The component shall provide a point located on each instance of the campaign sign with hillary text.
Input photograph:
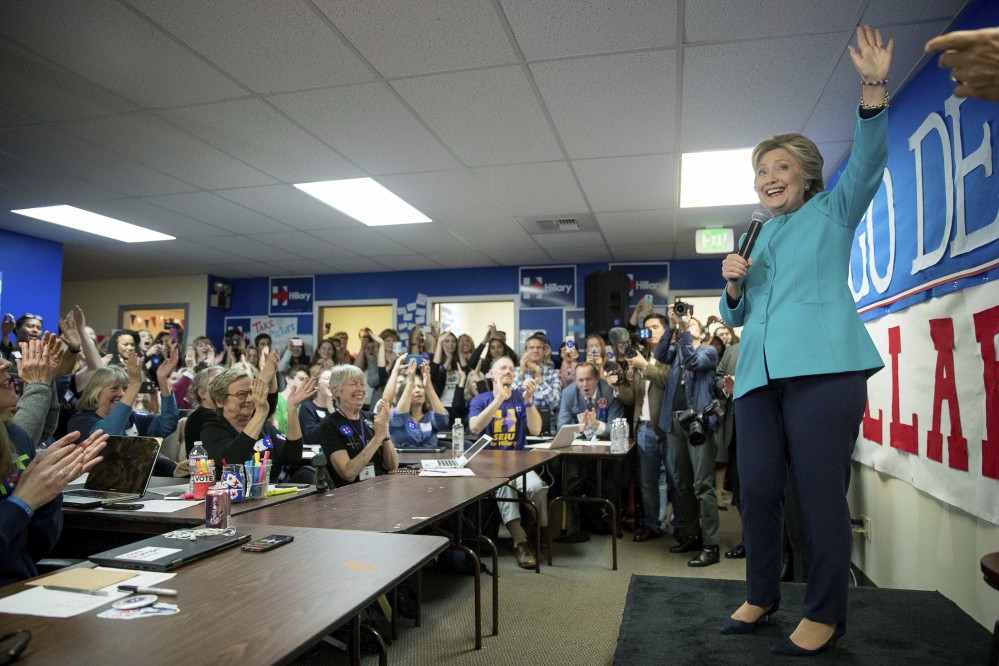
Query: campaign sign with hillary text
(646, 278)
(547, 286)
(292, 295)
(923, 275)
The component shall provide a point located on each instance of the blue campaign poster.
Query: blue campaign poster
(547, 286)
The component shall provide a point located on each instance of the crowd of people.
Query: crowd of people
(796, 411)
(357, 405)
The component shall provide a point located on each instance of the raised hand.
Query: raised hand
(259, 395)
(381, 417)
(871, 58)
(190, 358)
(7, 327)
(133, 364)
(163, 372)
(529, 385)
(973, 59)
(270, 367)
(40, 359)
(305, 390)
(70, 334)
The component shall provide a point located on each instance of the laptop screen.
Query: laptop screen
(480, 443)
(127, 464)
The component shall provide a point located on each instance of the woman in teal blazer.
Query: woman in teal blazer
(800, 405)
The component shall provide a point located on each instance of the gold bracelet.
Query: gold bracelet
(871, 107)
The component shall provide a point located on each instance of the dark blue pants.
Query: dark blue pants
(810, 423)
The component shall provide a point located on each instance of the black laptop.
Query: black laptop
(122, 475)
(160, 553)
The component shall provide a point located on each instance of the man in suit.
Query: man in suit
(589, 401)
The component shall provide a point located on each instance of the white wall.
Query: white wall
(100, 299)
(918, 542)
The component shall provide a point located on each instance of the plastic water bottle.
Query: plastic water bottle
(457, 439)
(619, 436)
(197, 453)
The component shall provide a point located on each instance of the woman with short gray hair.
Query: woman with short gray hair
(242, 426)
(356, 443)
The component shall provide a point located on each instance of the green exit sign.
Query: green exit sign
(715, 241)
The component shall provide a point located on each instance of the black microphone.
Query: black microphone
(759, 217)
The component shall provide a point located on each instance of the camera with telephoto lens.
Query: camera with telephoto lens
(682, 309)
(695, 424)
(637, 343)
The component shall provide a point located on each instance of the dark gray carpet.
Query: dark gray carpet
(677, 621)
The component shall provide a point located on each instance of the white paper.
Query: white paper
(55, 603)
(421, 299)
(461, 471)
(401, 310)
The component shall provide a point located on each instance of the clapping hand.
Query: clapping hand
(381, 417)
(529, 385)
(729, 381)
(47, 475)
(40, 359)
(166, 368)
(304, 391)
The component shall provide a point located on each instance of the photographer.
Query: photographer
(644, 389)
(688, 419)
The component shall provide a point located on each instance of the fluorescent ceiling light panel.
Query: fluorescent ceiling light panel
(717, 178)
(92, 223)
(364, 200)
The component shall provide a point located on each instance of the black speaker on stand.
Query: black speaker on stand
(606, 301)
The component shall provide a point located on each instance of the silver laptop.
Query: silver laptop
(122, 475)
(565, 437)
(458, 463)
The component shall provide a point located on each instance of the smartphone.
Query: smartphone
(570, 342)
(267, 543)
(147, 387)
(173, 335)
(644, 333)
(648, 299)
(296, 342)
(415, 357)
(398, 348)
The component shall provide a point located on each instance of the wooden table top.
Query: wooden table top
(492, 463)
(238, 607)
(388, 503)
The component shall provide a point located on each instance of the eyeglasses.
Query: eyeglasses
(242, 395)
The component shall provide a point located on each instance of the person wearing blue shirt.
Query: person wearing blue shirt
(801, 405)
(419, 415)
(31, 487)
(106, 404)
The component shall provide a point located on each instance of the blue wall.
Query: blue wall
(250, 296)
(31, 270)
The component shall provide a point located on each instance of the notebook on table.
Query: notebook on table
(458, 463)
(122, 475)
(160, 553)
(566, 435)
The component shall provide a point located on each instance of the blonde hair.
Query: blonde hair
(805, 153)
(101, 379)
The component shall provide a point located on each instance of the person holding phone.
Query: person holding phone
(420, 414)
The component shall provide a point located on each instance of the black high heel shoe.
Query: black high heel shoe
(733, 626)
(790, 649)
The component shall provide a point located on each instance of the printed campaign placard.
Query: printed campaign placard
(291, 295)
(547, 286)
(646, 278)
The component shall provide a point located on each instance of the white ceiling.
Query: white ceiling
(193, 117)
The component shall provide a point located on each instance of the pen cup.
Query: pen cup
(203, 479)
(234, 479)
(256, 483)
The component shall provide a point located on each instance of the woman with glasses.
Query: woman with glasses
(242, 425)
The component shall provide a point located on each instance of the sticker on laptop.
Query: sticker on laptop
(148, 554)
